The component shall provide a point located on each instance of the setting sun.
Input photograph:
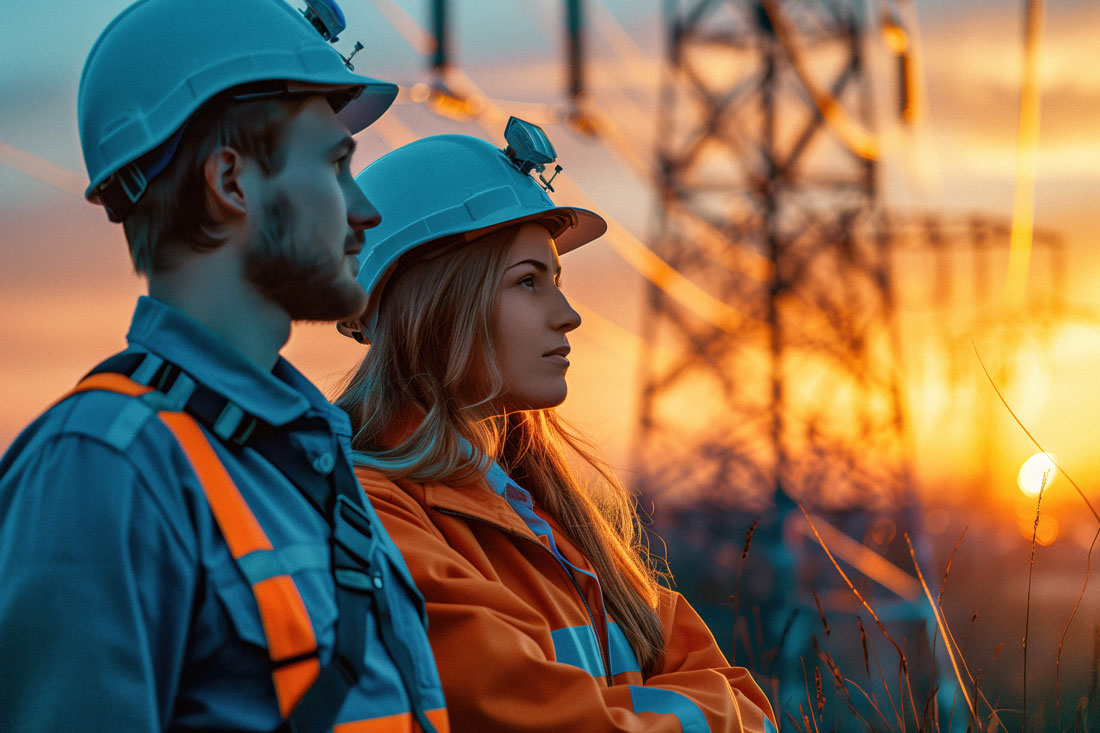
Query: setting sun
(1036, 474)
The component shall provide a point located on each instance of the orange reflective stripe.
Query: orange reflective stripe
(292, 681)
(400, 723)
(238, 524)
(439, 719)
(286, 622)
(108, 381)
(112, 382)
(287, 627)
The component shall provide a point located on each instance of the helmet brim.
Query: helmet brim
(590, 226)
(368, 105)
(586, 227)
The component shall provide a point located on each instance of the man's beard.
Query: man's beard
(284, 266)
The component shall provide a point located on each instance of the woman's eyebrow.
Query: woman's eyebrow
(537, 264)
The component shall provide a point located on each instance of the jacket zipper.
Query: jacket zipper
(604, 654)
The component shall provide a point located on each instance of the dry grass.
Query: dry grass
(890, 699)
(899, 705)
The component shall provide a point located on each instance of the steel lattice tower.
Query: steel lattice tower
(767, 179)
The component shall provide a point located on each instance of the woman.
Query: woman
(543, 614)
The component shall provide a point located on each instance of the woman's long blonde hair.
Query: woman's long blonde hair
(432, 356)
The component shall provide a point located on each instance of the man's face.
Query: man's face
(302, 253)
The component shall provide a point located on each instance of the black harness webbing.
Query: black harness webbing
(340, 502)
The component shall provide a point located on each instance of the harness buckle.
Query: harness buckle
(353, 547)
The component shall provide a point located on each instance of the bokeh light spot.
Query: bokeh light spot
(936, 521)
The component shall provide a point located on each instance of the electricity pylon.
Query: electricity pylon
(767, 180)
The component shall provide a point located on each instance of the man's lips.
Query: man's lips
(353, 245)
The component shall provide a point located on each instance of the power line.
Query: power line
(634, 252)
(41, 169)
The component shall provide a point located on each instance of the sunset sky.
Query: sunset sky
(67, 291)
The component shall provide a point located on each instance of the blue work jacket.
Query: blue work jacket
(120, 605)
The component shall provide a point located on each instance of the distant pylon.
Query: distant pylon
(767, 179)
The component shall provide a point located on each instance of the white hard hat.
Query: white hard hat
(158, 61)
(459, 186)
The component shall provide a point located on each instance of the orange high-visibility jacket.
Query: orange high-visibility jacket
(523, 645)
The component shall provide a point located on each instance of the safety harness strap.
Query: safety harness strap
(310, 696)
(292, 646)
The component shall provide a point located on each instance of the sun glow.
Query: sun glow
(1036, 474)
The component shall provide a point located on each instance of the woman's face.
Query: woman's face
(531, 318)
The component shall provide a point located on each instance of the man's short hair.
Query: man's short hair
(173, 212)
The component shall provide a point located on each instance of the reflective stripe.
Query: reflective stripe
(110, 382)
(287, 627)
(577, 645)
(288, 630)
(127, 424)
(239, 525)
(622, 654)
(292, 681)
(262, 564)
(400, 723)
(659, 700)
(130, 419)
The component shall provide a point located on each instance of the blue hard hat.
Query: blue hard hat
(455, 185)
(158, 61)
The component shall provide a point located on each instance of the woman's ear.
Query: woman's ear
(223, 173)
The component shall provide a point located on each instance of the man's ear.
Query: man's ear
(223, 172)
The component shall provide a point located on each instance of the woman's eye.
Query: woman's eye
(528, 282)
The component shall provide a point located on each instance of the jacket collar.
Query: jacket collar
(480, 500)
(277, 397)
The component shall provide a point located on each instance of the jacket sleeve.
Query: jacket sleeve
(96, 592)
(690, 662)
(492, 650)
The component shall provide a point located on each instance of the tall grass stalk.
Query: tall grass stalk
(941, 624)
(1031, 437)
(1030, 572)
(1062, 638)
(902, 661)
(737, 592)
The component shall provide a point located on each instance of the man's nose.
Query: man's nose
(361, 212)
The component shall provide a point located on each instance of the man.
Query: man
(183, 544)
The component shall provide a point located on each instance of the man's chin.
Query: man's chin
(354, 313)
(334, 313)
